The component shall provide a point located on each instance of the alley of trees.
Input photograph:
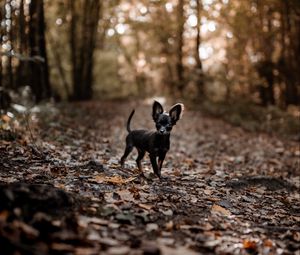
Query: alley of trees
(197, 49)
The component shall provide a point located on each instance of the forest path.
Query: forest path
(225, 190)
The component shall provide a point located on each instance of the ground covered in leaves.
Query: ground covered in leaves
(224, 191)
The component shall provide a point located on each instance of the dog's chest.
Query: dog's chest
(161, 143)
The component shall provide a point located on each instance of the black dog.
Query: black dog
(156, 143)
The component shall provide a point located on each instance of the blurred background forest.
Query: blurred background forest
(218, 50)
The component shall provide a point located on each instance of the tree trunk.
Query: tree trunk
(9, 71)
(37, 48)
(199, 68)
(83, 47)
(291, 64)
(266, 66)
(33, 51)
(21, 77)
(92, 23)
(73, 47)
(43, 50)
(2, 14)
(179, 52)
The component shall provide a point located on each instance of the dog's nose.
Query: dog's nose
(162, 130)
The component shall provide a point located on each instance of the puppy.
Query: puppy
(156, 143)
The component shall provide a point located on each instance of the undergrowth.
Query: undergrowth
(251, 117)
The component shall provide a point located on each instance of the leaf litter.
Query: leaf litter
(224, 190)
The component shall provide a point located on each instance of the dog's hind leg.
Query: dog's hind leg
(128, 149)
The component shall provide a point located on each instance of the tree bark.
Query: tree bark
(266, 66)
(43, 50)
(199, 68)
(2, 14)
(291, 62)
(37, 47)
(82, 48)
(179, 52)
(9, 69)
(21, 77)
(73, 47)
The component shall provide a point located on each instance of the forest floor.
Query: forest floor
(224, 191)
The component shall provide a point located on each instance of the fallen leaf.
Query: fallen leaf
(151, 227)
(219, 209)
(62, 247)
(167, 212)
(27, 229)
(169, 225)
(176, 251)
(268, 243)
(83, 221)
(85, 251)
(112, 179)
(125, 195)
(249, 245)
(146, 206)
(122, 250)
(3, 215)
(109, 241)
(135, 192)
(177, 173)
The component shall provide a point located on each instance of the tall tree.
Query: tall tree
(82, 43)
(179, 51)
(1, 41)
(9, 42)
(21, 77)
(288, 63)
(198, 67)
(37, 48)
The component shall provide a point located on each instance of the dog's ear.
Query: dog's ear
(157, 109)
(176, 112)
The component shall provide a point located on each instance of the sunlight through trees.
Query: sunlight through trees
(215, 49)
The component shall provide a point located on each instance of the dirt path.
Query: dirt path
(225, 191)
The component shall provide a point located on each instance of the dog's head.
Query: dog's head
(164, 121)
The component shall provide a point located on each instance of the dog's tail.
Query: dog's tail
(128, 121)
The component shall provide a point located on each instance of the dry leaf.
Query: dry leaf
(268, 243)
(177, 173)
(85, 251)
(83, 221)
(219, 209)
(112, 179)
(27, 229)
(125, 195)
(121, 250)
(62, 247)
(249, 245)
(169, 225)
(3, 215)
(145, 206)
(151, 227)
(135, 192)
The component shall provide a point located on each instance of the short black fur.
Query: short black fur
(156, 143)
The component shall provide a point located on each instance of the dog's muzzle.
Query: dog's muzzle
(162, 130)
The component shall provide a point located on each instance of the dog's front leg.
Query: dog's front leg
(161, 158)
(141, 154)
(154, 165)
